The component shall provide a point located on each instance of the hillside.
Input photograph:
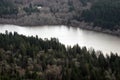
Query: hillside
(51, 12)
(31, 58)
(98, 15)
(104, 13)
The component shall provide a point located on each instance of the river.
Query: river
(70, 36)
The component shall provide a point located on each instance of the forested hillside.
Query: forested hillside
(7, 7)
(105, 14)
(66, 12)
(99, 15)
(31, 58)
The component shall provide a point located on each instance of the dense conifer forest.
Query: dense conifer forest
(7, 7)
(104, 13)
(32, 58)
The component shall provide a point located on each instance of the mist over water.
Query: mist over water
(70, 36)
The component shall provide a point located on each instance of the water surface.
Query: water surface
(70, 36)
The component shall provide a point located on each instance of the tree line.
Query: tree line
(33, 58)
(7, 8)
(104, 13)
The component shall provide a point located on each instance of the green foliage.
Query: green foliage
(25, 58)
(84, 2)
(104, 13)
(7, 8)
(30, 9)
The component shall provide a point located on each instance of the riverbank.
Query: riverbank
(99, 29)
(73, 23)
(69, 36)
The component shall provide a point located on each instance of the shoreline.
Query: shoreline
(81, 25)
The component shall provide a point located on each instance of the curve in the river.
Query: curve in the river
(70, 36)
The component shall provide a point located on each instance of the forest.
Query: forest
(32, 58)
(104, 13)
(7, 8)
